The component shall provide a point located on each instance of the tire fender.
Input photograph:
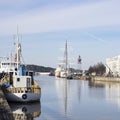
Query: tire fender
(24, 96)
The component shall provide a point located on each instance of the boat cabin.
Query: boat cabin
(17, 78)
(22, 81)
(23, 78)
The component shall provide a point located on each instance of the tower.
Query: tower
(79, 63)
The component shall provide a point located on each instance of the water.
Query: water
(76, 100)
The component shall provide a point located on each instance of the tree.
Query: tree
(99, 69)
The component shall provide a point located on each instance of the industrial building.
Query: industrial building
(113, 66)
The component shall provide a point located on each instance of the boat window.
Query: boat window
(18, 79)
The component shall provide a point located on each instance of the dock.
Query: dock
(98, 78)
(106, 79)
(5, 111)
(78, 77)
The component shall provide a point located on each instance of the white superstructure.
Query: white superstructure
(113, 66)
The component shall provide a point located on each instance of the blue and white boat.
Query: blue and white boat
(17, 82)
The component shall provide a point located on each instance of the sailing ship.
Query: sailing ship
(17, 82)
(63, 71)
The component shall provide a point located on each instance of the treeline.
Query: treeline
(37, 68)
(98, 69)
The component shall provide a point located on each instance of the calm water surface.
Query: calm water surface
(78, 100)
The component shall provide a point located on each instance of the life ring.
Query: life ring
(24, 96)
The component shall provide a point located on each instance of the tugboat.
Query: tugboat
(17, 82)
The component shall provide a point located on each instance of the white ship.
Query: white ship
(17, 82)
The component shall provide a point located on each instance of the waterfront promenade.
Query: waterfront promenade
(5, 111)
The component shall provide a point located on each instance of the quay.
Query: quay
(98, 78)
(106, 79)
(78, 77)
(5, 111)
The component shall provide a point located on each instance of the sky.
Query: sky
(91, 27)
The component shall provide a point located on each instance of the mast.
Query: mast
(11, 59)
(17, 48)
(66, 56)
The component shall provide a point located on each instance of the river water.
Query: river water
(76, 100)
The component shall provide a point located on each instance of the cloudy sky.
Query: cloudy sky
(91, 27)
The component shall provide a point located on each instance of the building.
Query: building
(113, 66)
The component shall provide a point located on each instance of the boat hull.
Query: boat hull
(23, 97)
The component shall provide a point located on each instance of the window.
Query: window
(18, 79)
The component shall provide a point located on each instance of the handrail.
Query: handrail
(22, 90)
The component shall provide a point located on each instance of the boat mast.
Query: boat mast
(17, 48)
(66, 56)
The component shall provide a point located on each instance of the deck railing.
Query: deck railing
(22, 90)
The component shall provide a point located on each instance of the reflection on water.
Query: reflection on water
(63, 92)
(25, 111)
(111, 90)
(78, 99)
(66, 89)
(96, 90)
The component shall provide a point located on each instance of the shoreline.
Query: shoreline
(98, 78)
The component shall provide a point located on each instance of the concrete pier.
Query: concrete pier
(5, 111)
(106, 79)
(78, 77)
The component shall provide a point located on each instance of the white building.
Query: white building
(113, 66)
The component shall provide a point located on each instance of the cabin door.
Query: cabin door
(28, 82)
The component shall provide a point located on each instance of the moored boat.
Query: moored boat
(58, 72)
(17, 82)
(63, 71)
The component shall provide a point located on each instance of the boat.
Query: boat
(58, 71)
(17, 81)
(63, 71)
